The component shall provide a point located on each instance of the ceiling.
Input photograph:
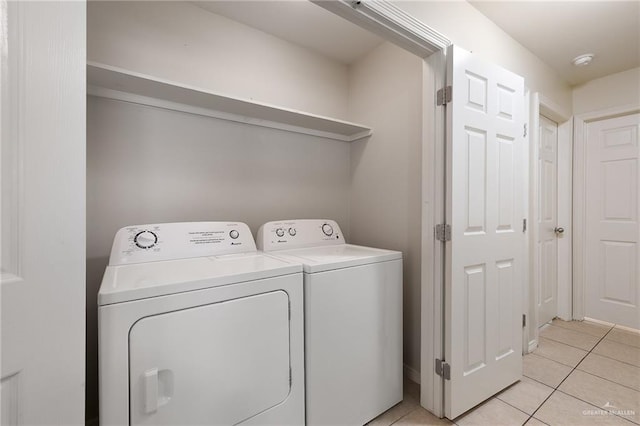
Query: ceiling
(555, 31)
(558, 31)
(300, 22)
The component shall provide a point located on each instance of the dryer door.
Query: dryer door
(215, 364)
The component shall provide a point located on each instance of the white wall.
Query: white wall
(466, 27)
(614, 90)
(180, 41)
(385, 90)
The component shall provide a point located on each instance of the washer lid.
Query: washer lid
(123, 283)
(327, 258)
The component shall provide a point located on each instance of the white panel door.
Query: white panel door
(484, 272)
(547, 240)
(43, 93)
(217, 364)
(612, 283)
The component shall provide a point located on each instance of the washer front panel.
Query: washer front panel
(216, 364)
(353, 343)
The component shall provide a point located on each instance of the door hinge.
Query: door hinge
(525, 130)
(443, 232)
(524, 225)
(524, 320)
(443, 369)
(443, 96)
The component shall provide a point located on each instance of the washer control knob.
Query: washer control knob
(280, 232)
(327, 229)
(292, 232)
(234, 234)
(145, 239)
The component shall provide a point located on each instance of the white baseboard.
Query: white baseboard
(412, 374)
(533, 344)
(608, 324)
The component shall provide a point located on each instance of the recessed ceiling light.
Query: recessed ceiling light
(583, 60)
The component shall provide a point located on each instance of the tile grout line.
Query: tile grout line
(594, 406)
(513, 406)
(608, 380)
(619, 360)
(575, 347)
(558, 362)
(591, 351)
(571, 372)
(402, 417)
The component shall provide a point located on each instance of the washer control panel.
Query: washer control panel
(168, 241)
(289, 234)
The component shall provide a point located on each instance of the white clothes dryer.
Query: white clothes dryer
(353, 320)
(197, 327)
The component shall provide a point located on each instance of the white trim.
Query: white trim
(411, 374)
(564, 211)
(541, 105)
(13, 131)
(533, 345)
(391, 23)
(432, 254)
(526, 172)
(579, 195)
(527, 236)
(552, 110)
(609, 324)
(531, 331)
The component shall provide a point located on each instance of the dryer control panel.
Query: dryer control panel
(169, 241)
(300, 233)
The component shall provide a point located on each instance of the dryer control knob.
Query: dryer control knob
(280, 232)
(234, 234)
(145, 239)
(327, 229)
(292, 232)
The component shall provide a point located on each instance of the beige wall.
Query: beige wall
(466, 27)
(182, 42)
(385, 90)
(614, 90)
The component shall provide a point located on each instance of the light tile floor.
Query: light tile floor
(582, 373)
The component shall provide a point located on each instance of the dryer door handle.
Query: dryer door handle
(151, 391)
(158, 389)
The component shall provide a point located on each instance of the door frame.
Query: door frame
(581, 122)
(432, 251)
(541, 105)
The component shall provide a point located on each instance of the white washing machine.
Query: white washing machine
(353, 320)
(196, 327)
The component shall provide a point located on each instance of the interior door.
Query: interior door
(612, 255)
(484, 272)
(42, 123)
(547, 212)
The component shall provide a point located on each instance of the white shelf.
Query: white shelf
(116, 83)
